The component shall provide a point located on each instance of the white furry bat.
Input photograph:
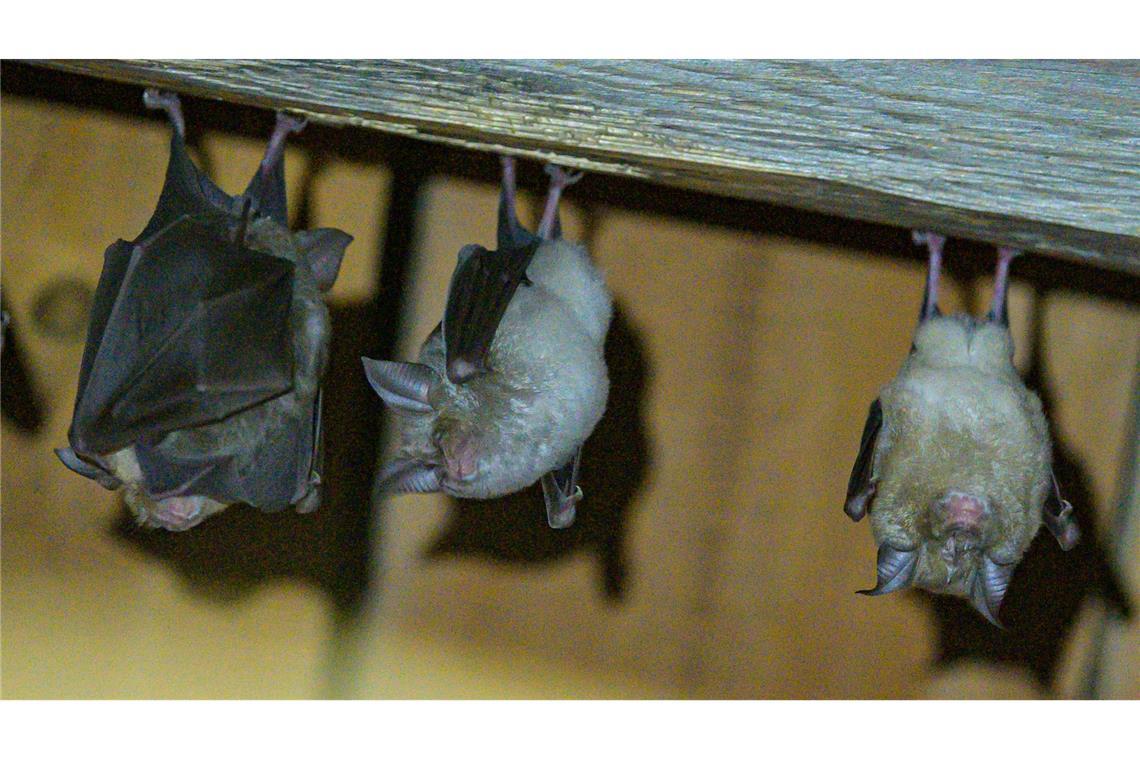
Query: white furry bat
(955, 464)
(513, 380)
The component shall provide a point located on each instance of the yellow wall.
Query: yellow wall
(763, 354)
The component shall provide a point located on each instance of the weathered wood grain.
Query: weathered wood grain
(1044, 155)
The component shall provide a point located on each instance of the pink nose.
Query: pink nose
(963, 512)
(461, 464)
(178, 512)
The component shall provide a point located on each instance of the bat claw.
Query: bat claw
(562, 515)
(159, 100)
(561, 177)
(290, 124)
(929, 239)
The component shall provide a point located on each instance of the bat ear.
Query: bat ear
(402, 385)
(75, 464)
(895, 570)
(408, 476)
(324, 250)
(990, 585)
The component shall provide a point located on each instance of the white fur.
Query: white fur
(547, 386)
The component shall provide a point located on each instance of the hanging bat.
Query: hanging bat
(200, 380)
(955, 463)
(513, 380)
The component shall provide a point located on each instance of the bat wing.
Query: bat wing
(308, 497)
(186, 192)
(266, 461)
(266, 192)
(481, 289)
(861, 485)
(187, 328)
(562, 493)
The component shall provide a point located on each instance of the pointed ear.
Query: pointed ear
(895, 570)
(408, 476)
(402, 385)
(990, 585)
(75, 464)
(324, 250)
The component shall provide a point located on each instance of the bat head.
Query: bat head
(459, 439)
(956, 547)
(121, 469)
(175, 513)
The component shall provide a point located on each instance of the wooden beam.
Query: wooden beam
(1044, 155)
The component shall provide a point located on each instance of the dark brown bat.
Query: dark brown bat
(955, 463)
(513, 380)
(200, 381)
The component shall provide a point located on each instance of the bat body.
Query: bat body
(513, 381)
(200, 381)
(955, 462)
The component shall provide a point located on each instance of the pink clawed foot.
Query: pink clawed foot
(999, 309)
(934, 243)
(560, 179)
(509, 182)
(156, 99)
(286, 125)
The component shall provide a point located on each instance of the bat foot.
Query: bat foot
(561, 178)
(562, 514)
(934, 244)
(169, 102)
(1063, 526)
(999, 310)
(550, 227)
(309, 502)
(932, 240)
(288, 124)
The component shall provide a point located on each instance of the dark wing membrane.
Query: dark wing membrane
(262, 457)
(199, 330)
(481, 289)
(308, 497)
(116, 259)
(860, 486)
(266, 191)
(185, 192)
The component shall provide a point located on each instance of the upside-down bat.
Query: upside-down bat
(200, 381)
(513, 380)
(955, 463)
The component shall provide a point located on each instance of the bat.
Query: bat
(955, 460)
(513, 380)
(200, 380)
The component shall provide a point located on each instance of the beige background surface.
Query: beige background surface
(764, 353)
